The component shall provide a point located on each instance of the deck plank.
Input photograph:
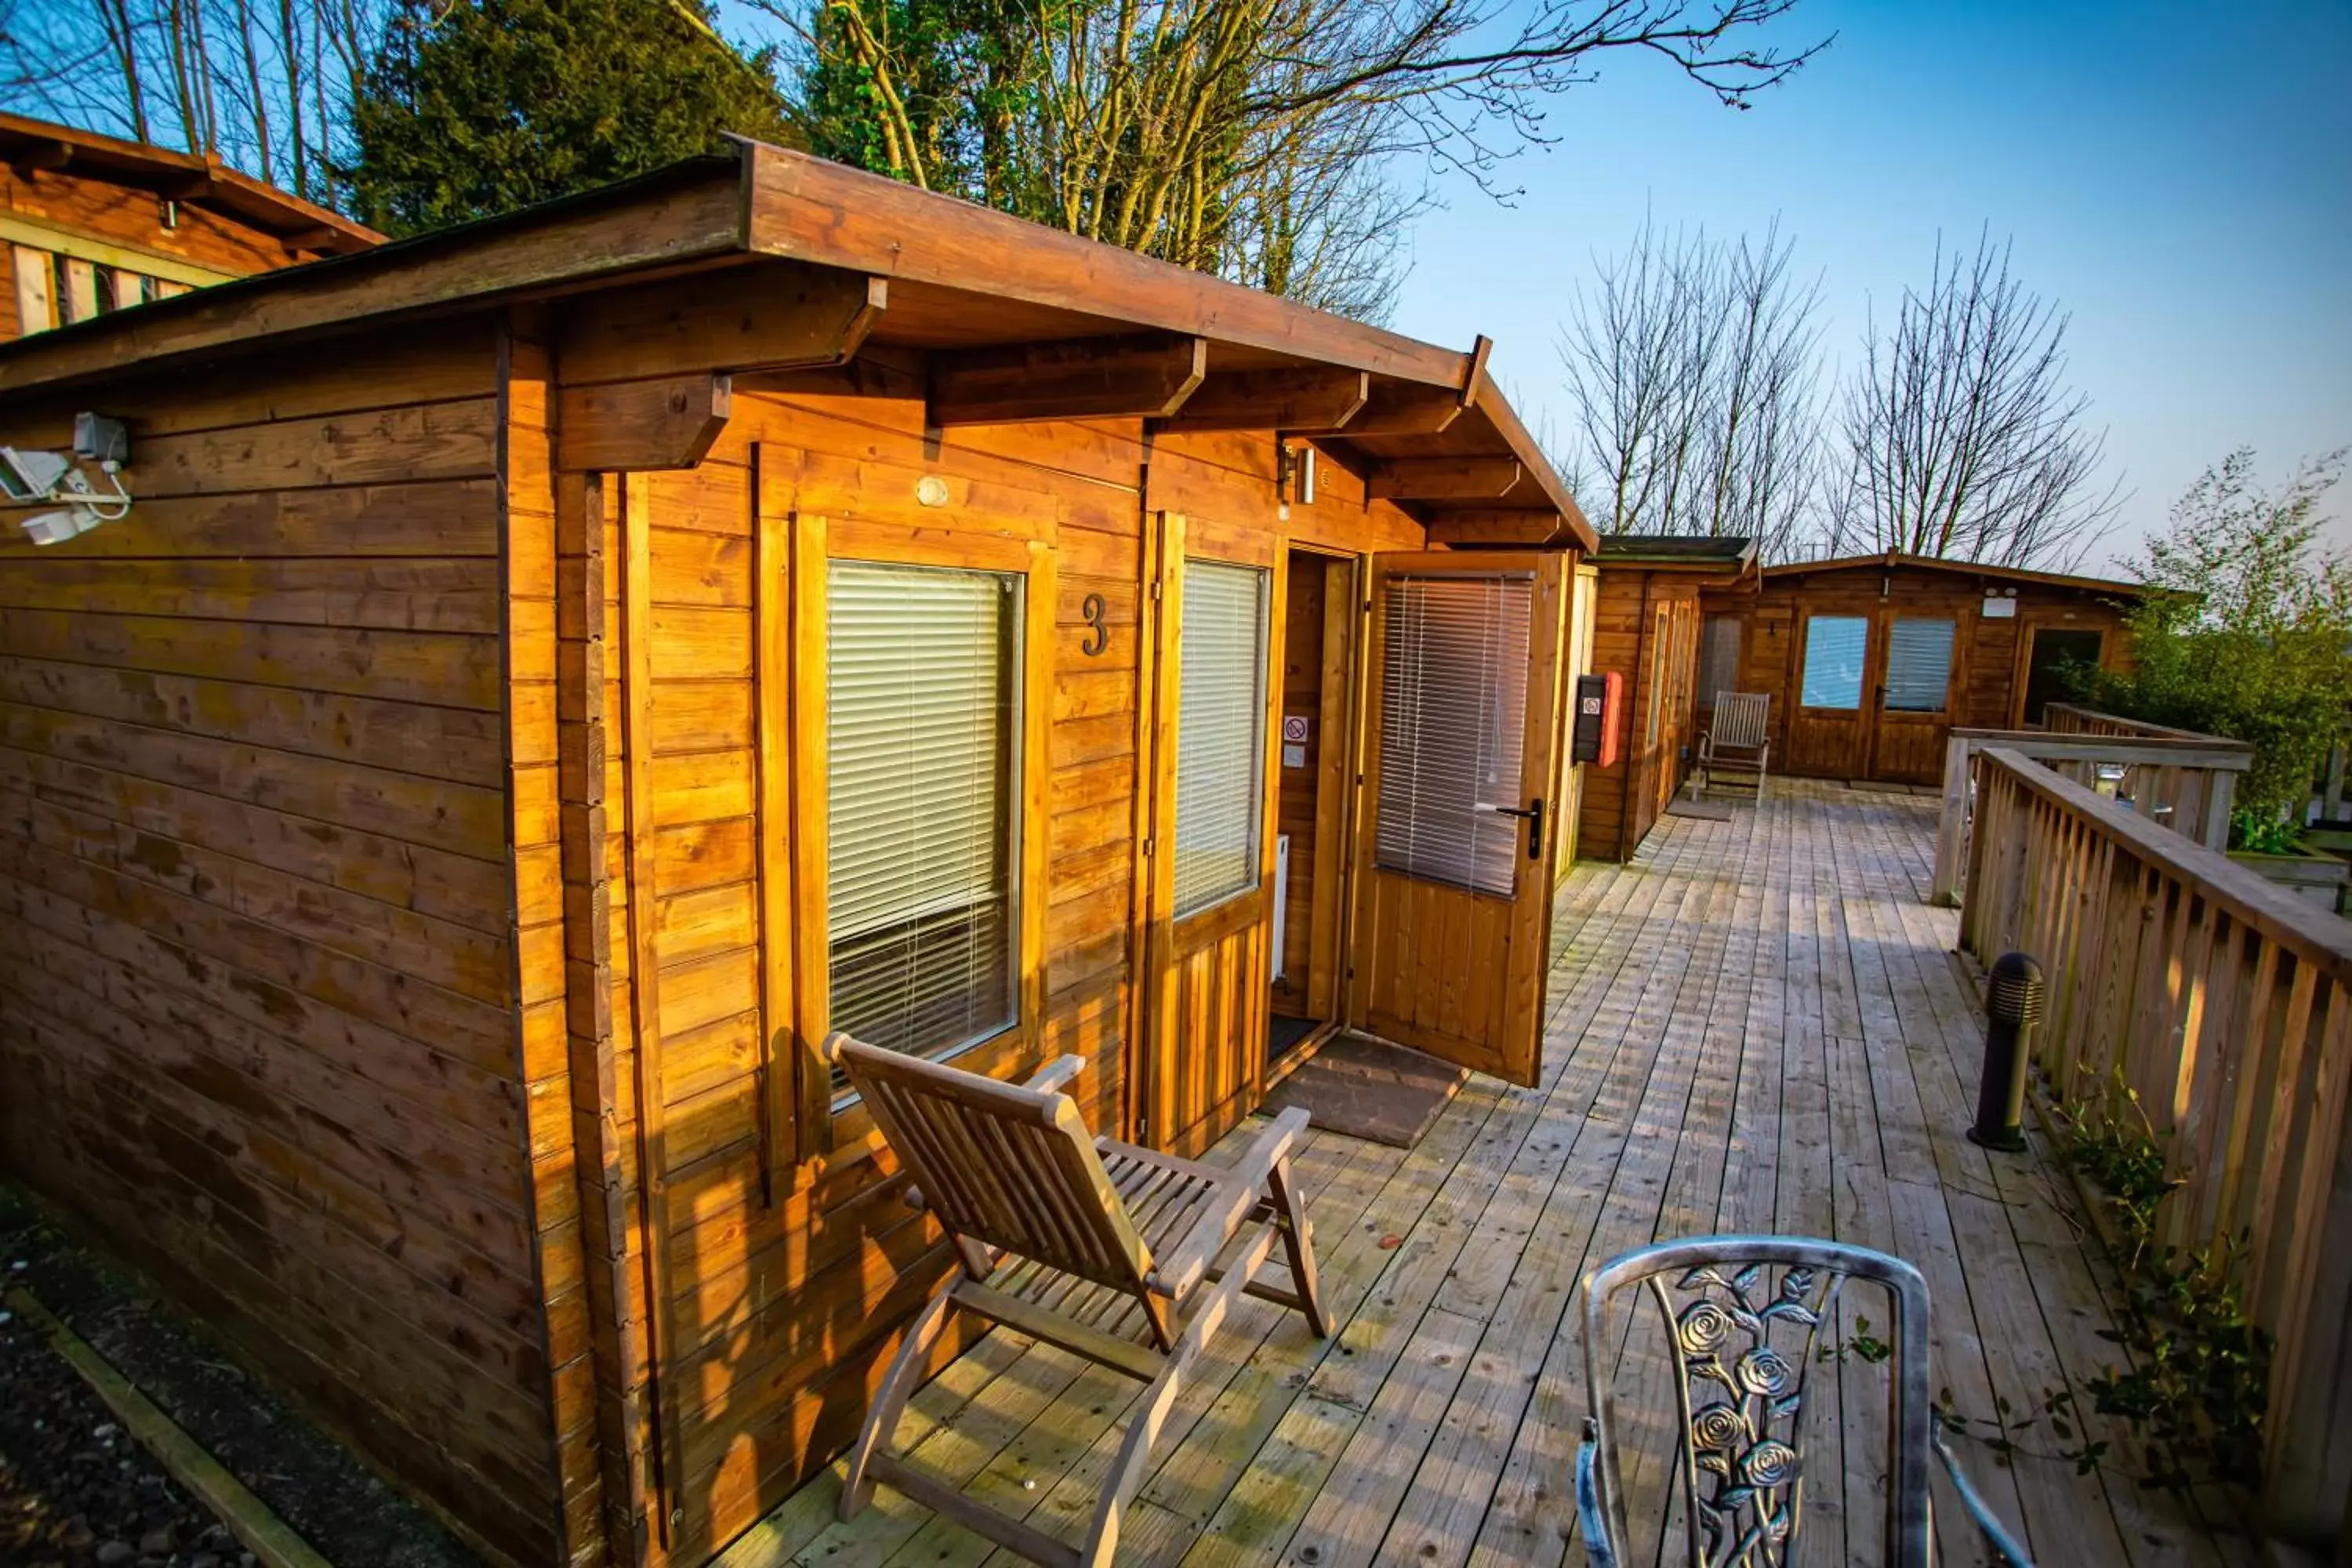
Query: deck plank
(1755, 1024)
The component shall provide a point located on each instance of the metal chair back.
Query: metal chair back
(1745, 1317)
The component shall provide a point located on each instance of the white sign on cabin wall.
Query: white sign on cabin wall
(1997, 609)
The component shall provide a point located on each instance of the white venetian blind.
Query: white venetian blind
(1453, 690)
(1918, 666)
(1834, 646)
(920, 718)
(1220, 732)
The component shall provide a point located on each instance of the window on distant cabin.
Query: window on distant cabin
(1220, 732)
(922, 709)
(1918, 667)
(1453, 695)
(1835, 646)
(1718, 657)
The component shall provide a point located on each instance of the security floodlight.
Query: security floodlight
(57, 527)
(32, 476)
(101, 440)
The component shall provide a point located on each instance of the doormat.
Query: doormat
(1705, 810)
(1369, 1089)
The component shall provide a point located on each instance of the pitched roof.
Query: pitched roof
(1698, 551)
(1447, 446)
(1981, 569)
(194, 181)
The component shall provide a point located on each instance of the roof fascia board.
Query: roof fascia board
(1487, 398)
(811, 210)
(479, 265)
(1897, 561)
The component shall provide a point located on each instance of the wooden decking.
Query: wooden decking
(1755, 1026)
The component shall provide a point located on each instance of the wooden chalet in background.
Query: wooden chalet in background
(1871, 660)
(1645, 628)
(438, 823)
(91, 223)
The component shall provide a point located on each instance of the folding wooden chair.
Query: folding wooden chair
(1109, 1251)
(1735, 741)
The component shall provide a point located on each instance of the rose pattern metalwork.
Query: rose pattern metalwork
(1704, 1326)
(1761, 1370)
(1742, 1400)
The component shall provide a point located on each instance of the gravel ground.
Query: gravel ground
(74, 1486)
(74, 1491)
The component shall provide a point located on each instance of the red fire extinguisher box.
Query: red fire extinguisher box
(1600, 718)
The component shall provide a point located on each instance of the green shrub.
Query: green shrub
(2250, 633)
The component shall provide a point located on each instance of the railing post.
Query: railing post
(2220, 804)
(1951, 829)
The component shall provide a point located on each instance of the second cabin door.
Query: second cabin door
(1453, 896)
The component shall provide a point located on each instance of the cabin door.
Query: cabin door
(1215, 603)
(1830, 730)
(1919, 680)
(1453, 893)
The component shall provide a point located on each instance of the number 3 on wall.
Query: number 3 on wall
(1098, 635)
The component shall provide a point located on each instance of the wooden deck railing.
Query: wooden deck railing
(2187, 782)
(2073, 718)
(2227, 1005)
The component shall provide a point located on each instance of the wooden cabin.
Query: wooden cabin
(1872, 660)
(91, 223)
(1646, 630)
(555, 671)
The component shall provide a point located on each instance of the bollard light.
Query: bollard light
(2012, 1008)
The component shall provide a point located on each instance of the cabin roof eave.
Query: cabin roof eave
(756, 202)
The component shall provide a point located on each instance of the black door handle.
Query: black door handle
(1533, 817)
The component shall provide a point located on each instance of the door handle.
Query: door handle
(1533, 816)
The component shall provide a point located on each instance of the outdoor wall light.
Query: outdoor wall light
(39, 476)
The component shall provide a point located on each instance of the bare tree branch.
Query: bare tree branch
(1962, 438)
(1693, 368)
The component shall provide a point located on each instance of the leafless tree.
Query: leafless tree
(1251, 136)
(1693, 370)
(263, 86)
(1962, 438)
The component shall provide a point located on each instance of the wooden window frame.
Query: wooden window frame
(1269, 723)
(1861, 706)
(1953, 675)
(824, 1124)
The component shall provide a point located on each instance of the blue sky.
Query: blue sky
(2177, 176)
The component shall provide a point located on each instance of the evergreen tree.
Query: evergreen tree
(489, 105)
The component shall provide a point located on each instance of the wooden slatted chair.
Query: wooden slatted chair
(1735, 741)
(1129, 1258)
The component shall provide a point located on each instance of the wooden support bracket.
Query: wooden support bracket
(1446, 478)
(1299, 399)
(1148, 376)
(771, 316)
(636, 426)
(29, 162)
(1399, 408)
(1527, 529)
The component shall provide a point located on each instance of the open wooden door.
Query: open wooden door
(1452, 889)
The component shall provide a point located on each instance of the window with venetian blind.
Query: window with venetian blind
(921, 716)
(1454, 674)
(1918, 666)
(1835, 648)
(1718, 657)
(1220, 733)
